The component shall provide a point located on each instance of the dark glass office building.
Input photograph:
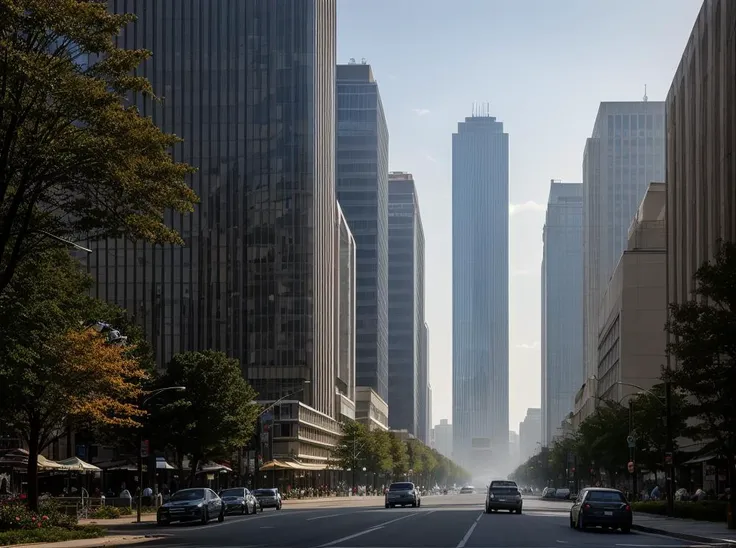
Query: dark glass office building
(406, 387)
(250, 87)
(362, 190)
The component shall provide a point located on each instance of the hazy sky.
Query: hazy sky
(544, 66)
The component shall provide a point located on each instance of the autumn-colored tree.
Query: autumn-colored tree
(52, 371)
(77, 160)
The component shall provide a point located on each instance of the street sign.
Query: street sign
(631, 441)
(630, 467)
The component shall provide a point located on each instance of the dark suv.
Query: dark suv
(503, 495)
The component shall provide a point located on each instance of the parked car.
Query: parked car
(601, 507)
(268, 498)
(467, 490)
(239, 500)
(549, 493)
(191, 504)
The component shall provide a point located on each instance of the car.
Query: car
(549, 493)
(268, 498)
(467, 490)
(563, 494)
(198, 503)
(601, 507)
(402, 494)
(503, 495)
(239, 500)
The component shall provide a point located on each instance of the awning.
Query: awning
(18, 458)
(162, 464)
(291, 465)
(702, 458)
(213, 468)
(45, 464)
(78, 465)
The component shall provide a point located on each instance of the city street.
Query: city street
(444, 521)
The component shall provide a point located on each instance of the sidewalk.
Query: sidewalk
(117, 540)
(684, 529)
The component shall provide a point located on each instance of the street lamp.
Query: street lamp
(140, 446)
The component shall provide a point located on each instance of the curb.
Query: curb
(682, 536)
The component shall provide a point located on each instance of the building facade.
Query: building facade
(480, 292)
(405, 303)
(345, 313)
(370, 409)
(632, 339)
(562, 304)
(530, 434)
(256, 277)
(443, 438)
(362, 190)
(701, 137)
(425, 403)
(623, 155)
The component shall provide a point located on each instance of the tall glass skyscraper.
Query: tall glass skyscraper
(562, 305)
(480, 293)
(362, 190)
(250, 87)
(406, 304)
(625, 153)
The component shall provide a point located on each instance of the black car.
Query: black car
(601, 507)
(191, 504)
(402, 493)
(503, 495)
(238, 500)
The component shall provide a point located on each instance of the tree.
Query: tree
(353, 449)
(213, 416)
(379, 459)
(704, 344)
(399, 457)
(52, 370)
(602, 439)
(77, 161)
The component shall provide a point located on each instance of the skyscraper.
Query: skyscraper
(405, 303)
(530, 433)
(425, 411)
(362, 190)
(623, 155)
(480, 292)
(250, 87)
(562, 305)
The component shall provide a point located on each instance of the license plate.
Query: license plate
(608, 513)
(501, 500)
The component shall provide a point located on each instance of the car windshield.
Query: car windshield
(605, 496)
(232, 493)
(495, 484)
(265, 492)
(401, 487)
(188, 494)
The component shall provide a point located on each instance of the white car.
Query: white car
(467, 490)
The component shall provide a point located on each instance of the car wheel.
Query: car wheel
(419, 503)
(244, 511)
(388, 505)
(162, 522)
(278, 507)
(205, 517)
(572, 523)
(518, 511)
(581, 524)
(626, 529)
(487, 510)
(221, 517)
(413, 504)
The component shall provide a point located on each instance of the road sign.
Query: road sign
(630, 467)
(631, 441)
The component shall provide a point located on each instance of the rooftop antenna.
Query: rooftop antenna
(645, 94)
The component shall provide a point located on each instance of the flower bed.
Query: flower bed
(50, 534)
(15, 516)
(707, 510)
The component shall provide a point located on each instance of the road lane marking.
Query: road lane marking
(370, 530)
(466, 538)
(325, 517)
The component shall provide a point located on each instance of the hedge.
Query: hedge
(50, 534)
(707, 510)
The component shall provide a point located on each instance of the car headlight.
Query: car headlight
(200, 505)
(491, 496)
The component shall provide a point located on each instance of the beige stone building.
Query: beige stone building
(632, 314)
(370, 409)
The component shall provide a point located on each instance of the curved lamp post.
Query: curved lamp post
(151, 395)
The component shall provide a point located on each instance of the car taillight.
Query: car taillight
(628, 508)
(587, 507)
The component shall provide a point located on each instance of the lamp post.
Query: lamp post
(140, 447)
(259, 442)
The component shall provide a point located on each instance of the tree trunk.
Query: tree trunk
(193, 465)
(33, 468)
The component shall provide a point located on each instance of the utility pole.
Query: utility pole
(669, 457)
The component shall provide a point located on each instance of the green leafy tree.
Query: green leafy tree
(560, 455)
(45, 359)
(399, 457)
(704, 344)
(378, 458)
(77, 160)
(353, 450)
(602, 439)
(213, 416)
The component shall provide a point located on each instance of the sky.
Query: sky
(544, 66)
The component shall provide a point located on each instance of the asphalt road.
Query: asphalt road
(443, 521)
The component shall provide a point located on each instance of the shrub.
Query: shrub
(50, 534)
(707, 510)
(15, 516)
(106, 512)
